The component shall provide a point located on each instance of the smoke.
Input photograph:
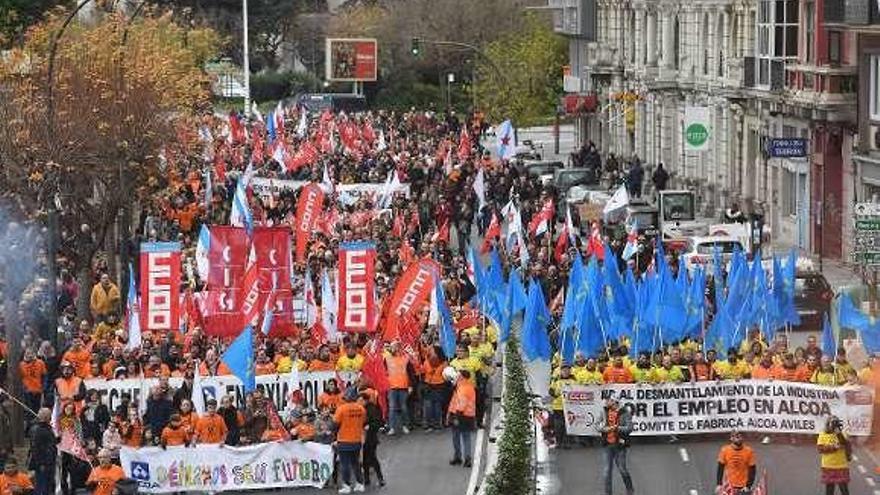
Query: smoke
(24, 277)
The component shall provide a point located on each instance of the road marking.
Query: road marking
(693, 492)
(685, 458)
(476, 470)
(870, 481)
(861, 469)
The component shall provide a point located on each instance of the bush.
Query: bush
(274, 86)
(512, 474)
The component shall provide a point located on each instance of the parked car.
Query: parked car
(566, 178)
(701, 251)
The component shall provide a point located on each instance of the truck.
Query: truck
(678, 217)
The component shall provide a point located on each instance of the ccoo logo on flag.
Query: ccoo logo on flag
(140, 471)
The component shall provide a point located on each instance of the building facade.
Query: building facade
(761, 70)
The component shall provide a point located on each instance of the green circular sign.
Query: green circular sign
(696, 134)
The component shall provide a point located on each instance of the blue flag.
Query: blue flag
(535, 342)
(829, 342)
(848, 316)
(515, 301)
(239, 357)
(447, 331)
(695, 301)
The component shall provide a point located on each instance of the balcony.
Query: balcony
(575, 18)
(851, 12)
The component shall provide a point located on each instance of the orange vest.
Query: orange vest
(464, 399)
(434, 374)
(68, 388)
(397, 376)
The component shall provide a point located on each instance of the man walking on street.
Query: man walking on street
(615, 426)
(44, 453)
(736, 464)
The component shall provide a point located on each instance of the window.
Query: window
(705, 41)
(777, 25)
(874, 88)
(676, 40)
(810, 33)
(719, 33)
(789, 194)
(834, 47)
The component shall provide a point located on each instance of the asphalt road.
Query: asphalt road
(688, 468)
(414, 464)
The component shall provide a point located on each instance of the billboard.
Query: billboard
(351, 59)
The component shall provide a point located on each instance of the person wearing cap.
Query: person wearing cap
(558, 418)
(174, 434)
(69, 387)
(350, 418)
(105, 475)
(462, 416)
(301, 426)
(13, 481)
(615, 426)
(210, 427)
(736, 464)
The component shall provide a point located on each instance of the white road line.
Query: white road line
(685, 458)
(473, 482)
(876, 492)
(870, 481)
(693, 492)
(861, 469)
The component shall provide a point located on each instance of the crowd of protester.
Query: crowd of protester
(440, 218)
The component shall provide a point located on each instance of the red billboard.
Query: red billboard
(351, 59)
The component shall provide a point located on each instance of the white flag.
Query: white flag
(198, 399)
(480, 188)
(328, 308)
(617, 204)
(303, 125)
(506, 142)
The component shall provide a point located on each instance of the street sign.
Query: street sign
(787, 148)
(866, 246)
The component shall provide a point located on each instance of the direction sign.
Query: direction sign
(866, 246)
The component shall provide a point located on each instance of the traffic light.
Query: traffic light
(415, 47)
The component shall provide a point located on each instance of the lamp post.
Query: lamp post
(246, 64)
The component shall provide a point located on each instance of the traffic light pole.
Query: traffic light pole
(418, 41)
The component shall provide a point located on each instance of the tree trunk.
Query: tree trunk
(84, 279)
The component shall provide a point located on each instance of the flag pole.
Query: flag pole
(20, 403)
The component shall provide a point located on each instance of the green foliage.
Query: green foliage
(512, 474)
(403, 94)
(273, 86)
(18, 15)
(528, 81)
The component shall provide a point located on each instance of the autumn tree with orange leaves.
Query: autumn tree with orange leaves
(119, 90)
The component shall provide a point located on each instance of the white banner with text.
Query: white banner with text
(215, 468)
(276, 388)
(710, 407)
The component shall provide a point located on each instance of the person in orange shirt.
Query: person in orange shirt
(13, 481)
(212, 365)
(69, 387)
(350, 418)
(155, 368)
(188, 417)
(764, 369)
(461, 415)
(398, 367)
(263, 366)
(301, 426)
(174, 434)
(806, 370)
(736, 463)
(79, 357)
(434, 391)
(331, 397)
(323, 361)
(787, 370)
(617, 372)
(33, 372)
(210, 427)
(104, 477)
(132, 429)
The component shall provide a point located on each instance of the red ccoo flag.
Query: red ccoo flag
(541, 220)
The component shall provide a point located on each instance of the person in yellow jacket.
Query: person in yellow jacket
(732, 368)
(825, 374)
(641, 371)
(464, 361)
(104, 299)
(461, 415)
(589, 374)
(558, 417)
(351, 360)
(482, 351)
(666, 372)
